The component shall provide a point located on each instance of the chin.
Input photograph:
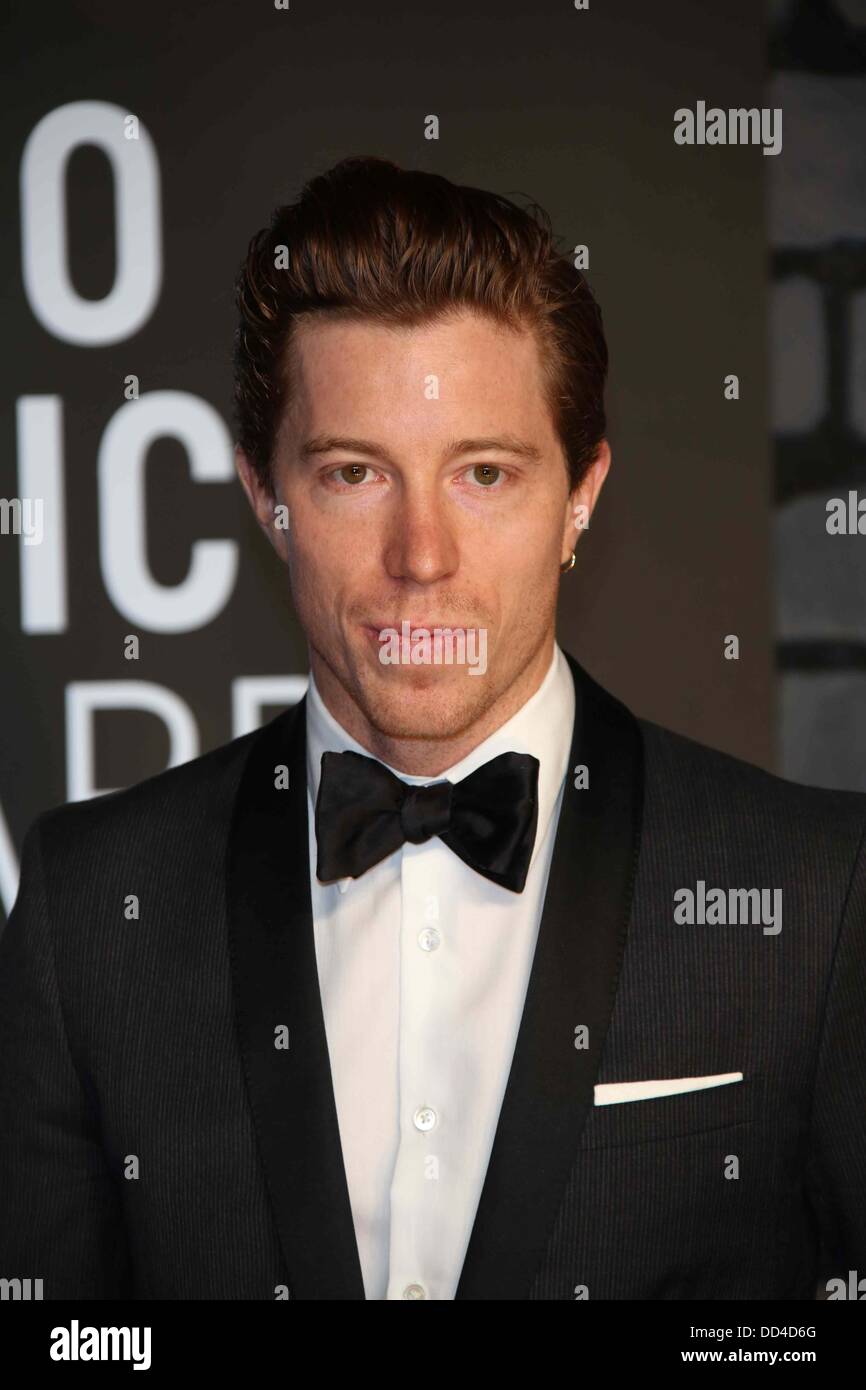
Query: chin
(423, 706)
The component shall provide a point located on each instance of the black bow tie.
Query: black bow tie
(364, 813)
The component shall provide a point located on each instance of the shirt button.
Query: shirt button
(429, 939)
(414, 1291)
(424, 1117)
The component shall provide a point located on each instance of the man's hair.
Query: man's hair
(368, 240)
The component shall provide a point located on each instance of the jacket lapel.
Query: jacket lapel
(276, 984)
(573, 981)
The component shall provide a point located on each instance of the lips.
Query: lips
(415, 625)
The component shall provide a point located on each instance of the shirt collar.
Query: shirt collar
(542, 726)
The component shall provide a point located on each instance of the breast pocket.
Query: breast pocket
(668, 1117)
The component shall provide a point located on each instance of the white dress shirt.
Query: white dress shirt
(423, 965)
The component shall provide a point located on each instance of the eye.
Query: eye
(483, 474)
(352, 472)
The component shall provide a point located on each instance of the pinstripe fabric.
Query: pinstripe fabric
(119, 1040)
(648, 1212)
(139, 1050)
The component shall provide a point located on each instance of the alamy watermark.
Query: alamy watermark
(20, 1290)
(846, 517)
(76, 1343)
(22, 516)
(738, 125)
(729, 906)
(437, 646)
(854, 1288)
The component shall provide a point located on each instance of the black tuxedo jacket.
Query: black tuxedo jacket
(154, 1143)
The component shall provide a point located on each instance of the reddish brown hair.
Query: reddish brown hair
(398, 246)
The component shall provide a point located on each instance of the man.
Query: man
(456, 980)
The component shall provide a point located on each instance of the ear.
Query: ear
(581, 502)
(270, 513)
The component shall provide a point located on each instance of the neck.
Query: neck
(420, 757)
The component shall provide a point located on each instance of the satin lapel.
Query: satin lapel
(572, 982)
(276, 984)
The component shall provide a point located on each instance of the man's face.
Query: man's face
(424, 482)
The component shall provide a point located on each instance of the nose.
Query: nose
(421, 544)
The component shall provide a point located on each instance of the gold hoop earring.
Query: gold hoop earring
(567, 564)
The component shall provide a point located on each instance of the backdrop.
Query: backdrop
(145, 145)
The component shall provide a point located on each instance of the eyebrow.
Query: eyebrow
(504, 443)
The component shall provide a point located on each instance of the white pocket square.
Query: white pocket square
(616, 1091)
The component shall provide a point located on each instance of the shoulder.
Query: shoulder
(185, 809)
(708, 786)
(697, 793)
